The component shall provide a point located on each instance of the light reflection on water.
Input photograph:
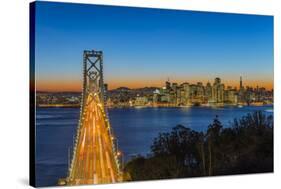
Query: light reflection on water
(134, 128)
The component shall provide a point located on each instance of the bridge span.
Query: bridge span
(95, 159)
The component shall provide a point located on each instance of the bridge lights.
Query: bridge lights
(119, 153)
(93, 91)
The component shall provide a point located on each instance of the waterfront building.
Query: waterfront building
(186, 93)
(193, 93)
(156, 96)
(141, 101)
(173, 94)
(218, 91)
(200, 93)
(208, 92)
(230, 96)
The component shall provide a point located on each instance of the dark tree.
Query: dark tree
(246, 147)
(213, 141)
(182, 143)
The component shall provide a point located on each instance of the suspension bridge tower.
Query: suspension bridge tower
(95, 159)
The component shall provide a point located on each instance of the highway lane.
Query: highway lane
(94, 160)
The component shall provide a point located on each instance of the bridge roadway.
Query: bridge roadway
(94, 158)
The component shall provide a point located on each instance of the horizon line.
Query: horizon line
(134, 88)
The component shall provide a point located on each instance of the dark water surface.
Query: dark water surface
(135, 129)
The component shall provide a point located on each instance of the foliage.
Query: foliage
(245, 147)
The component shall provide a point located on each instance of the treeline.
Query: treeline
(245, 147)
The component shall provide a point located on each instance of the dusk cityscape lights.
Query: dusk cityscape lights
(170, 95)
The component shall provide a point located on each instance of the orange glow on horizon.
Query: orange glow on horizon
(76, 86)
(59, 86)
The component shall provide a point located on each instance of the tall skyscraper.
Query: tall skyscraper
(186, 92)
(241, 93)
(218, 91)
(241, 83)
(208, 91)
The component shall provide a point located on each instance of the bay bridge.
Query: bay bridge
(95, 158)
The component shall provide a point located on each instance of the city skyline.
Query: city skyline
(172, 94)
(143, 47)
(236, 84)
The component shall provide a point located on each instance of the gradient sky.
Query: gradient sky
(144, 47)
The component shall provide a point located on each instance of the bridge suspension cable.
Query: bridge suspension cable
(95, 158)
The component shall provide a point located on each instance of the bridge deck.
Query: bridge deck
(94, 160)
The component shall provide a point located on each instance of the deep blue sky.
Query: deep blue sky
(146, 46)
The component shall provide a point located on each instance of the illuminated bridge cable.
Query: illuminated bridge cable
(94, 157)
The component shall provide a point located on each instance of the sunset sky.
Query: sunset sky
(145, 47)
